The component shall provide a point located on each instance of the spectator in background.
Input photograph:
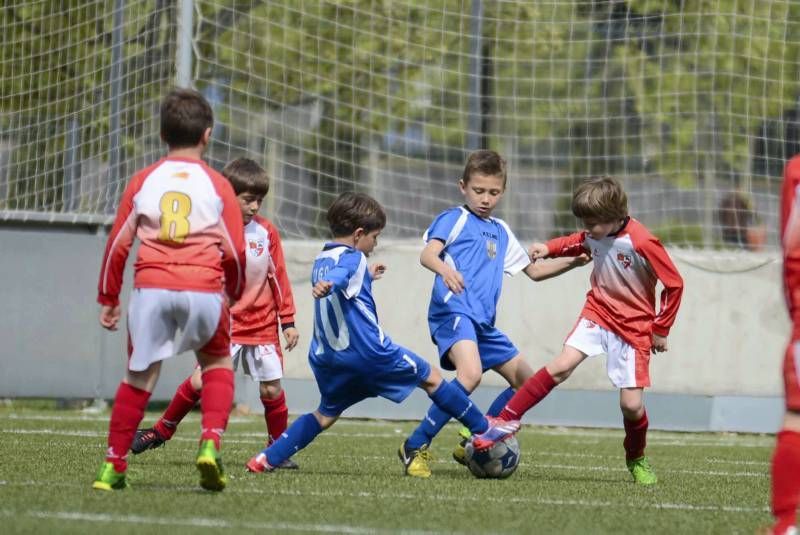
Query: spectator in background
(741, 227)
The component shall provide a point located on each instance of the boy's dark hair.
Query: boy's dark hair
(600, 198)
(485, 162)
(185, 116)
(351, 211)
(246, 176)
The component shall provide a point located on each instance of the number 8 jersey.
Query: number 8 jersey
(189, 223)
(346, 321)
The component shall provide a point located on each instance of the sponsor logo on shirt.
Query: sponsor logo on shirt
(256, 247)
(624, 259)
(181, 174)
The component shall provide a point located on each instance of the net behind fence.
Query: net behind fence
(693, 105)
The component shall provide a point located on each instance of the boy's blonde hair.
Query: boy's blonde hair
(246, 176)
(600, 198)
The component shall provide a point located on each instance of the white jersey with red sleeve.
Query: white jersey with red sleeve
(267, 301)
(189, 223)
(627, 266)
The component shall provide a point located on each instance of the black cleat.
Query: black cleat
(147, 439)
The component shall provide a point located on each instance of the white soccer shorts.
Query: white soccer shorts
(260, 362)
(163, 323)
(626, 367)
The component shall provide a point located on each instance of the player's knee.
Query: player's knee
(631, 408)
(469, 379)
(270, 389)
(325, 421)
(432, 382)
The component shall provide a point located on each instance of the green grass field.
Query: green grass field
(350, 481)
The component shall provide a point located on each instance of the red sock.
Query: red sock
(635, 437)
(216, 399)
(182, 403)
(532, 392)
(129, 405)
(276, 414)
(786, 480)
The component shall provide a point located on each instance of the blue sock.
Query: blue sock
(500, 402)
(449, 401)
(298, 436)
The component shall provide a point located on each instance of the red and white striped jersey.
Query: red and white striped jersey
(627, 266)
(189, 223)
(790, 238)
(267, 301)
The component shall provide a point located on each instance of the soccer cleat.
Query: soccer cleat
(288, 464)
(147, 439)
(209, 464)
(641, 471)
(259, 464)
(498, 430)
(109, 479)
(416, 463)
(460, 452)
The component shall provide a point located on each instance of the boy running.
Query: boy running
(470, 251)
(187, 219)
(266, 304)
(619, 317)
(350, 355)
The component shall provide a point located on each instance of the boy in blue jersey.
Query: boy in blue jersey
(350, 355)
(470, 251)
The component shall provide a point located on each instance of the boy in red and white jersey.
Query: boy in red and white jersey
(786, 459)
(619, 316)
(266, 305)
(191, 254)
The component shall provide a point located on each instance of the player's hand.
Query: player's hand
(377, 270)
(659, 343)
(109, 317)
(582, 259)
(292, 336)
(321, 289)
(538, 250)
(453, 279)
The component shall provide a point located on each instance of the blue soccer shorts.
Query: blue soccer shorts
(345, 380)
(494, 347)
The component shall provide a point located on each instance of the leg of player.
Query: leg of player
(634, 417)
(295, 438)
(467, 361)
(785, 483)
(185, 399)
(216, 400)
(454, 402)
(276, 414)
(130, 403)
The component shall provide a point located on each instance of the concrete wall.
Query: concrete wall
(726, 345)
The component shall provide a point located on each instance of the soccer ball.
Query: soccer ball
(498, 462)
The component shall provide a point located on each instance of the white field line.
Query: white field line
(500, 500)
(202, 522)
(96, 434)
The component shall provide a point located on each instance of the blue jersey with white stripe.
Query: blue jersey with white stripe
(346, 320)
(482, 250)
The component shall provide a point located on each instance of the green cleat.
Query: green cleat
(109, 479)
(416, 463)
(460, 452)
(209, 464)
(641, 471)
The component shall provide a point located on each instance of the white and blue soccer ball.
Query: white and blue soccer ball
(498, 462)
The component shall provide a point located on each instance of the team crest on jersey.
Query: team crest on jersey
(491, 248)
(625, 260)
(256, 247)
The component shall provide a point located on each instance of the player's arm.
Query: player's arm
(670, 299)
(285, 298)
(545, 269)
(430, 258)
(233, 251)
(572, 245)
(116, 253)
(346, 276)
